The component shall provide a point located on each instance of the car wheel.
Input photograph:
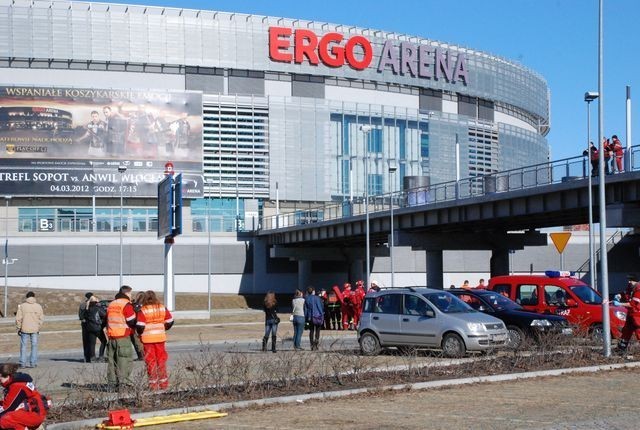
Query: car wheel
(596, 332)
(515, 337)
(369, 344)
(453, 345)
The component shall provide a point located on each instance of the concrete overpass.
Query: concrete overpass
(498, 213)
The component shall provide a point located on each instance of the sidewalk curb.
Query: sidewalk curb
(91, 423)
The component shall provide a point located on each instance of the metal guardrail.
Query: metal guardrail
(554, 172)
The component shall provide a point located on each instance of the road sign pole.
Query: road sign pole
(169, 293)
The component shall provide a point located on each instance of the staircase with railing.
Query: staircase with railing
(615, 238)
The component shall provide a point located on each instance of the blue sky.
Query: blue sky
(556, 38)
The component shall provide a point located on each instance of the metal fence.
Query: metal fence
(554, 172)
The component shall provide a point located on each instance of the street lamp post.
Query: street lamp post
(604, 269)
(366, 129)
(6, 255)
(208, 252)
(589, 97)
(392, 171)
(121, 170)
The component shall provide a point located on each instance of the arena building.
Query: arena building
(252, 108)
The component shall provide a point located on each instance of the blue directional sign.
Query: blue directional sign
(165, 207)
(177, 206)
(170, 206)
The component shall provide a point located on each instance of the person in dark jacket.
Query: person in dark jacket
(22, 405)
(96, 321)
(82, 316)
(314, 315)
(271, 321)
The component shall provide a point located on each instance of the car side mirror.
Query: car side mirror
(572, 303)
(430, 313)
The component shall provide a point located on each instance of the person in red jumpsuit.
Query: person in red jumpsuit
(358, 300)
(618, 154)
(153, 321)
(347, 306)
(632, 325)
(23, 406)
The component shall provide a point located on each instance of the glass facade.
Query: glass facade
(225, 215)
(269, 126)
(81, 220)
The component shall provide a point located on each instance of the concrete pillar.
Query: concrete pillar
(434, 270)
(304, 274)
(499, 262)
(356, 270)
(259, 278)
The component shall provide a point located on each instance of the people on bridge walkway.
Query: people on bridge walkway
(618, 154)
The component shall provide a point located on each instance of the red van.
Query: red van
(557, 293)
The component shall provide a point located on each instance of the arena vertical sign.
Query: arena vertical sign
(333, 50)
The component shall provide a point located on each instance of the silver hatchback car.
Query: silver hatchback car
(418, 317)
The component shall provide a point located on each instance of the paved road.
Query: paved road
(606, 400)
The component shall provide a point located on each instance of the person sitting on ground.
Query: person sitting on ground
(22, 406)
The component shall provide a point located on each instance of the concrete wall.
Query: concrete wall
(239, 266)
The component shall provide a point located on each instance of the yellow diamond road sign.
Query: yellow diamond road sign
(560, 240)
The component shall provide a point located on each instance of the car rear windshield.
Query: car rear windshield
(587, 295)
(448, 303)
(500, 302)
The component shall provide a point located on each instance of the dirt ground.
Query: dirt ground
(563, 402)
(65, 302)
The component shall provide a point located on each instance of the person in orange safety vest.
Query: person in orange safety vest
(121, 320)
(153, 322)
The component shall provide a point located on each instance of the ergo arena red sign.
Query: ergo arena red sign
(334, 50)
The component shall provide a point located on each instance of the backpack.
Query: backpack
(95, 317)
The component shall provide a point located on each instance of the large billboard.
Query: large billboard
(70, 141)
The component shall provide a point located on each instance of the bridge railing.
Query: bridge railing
(554, 172)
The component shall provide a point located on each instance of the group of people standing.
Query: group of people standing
(613, 156)
(306, 311)
(333, 310)
(125, 326)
